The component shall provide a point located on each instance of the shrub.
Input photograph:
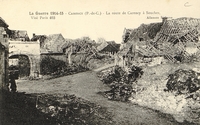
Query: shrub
(50, 65)
(183, 81)
(120, 82)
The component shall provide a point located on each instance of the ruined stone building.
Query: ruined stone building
(172, 39)
(136, 43)
(181, 35)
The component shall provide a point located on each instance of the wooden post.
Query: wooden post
(69, 56)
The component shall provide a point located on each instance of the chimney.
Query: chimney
(164, 19)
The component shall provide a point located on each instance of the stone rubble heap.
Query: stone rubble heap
(181, 98)
(69, 109)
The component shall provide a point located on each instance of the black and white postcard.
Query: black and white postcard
(100, 62)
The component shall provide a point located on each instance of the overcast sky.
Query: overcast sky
(110, 27)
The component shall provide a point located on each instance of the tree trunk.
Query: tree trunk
(69, 58)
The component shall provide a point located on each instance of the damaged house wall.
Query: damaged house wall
(137, 43)
(3, 67)
(3, 55)
(178, 36)
(169, 39)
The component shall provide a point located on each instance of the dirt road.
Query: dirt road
(86, 85)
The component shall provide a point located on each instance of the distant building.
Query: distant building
(13, 62)
(19, 35)
(53, 44)
(108, 47)
(40, 38)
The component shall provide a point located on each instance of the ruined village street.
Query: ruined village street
(86, 85)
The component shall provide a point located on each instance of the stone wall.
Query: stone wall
(30, 49)
(2, 66)
(3, 61)
(57, 56)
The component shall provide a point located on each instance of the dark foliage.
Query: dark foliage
(57, 68)
(19, 109)
(50, 65)
(120, 82)
(24, 66)
(183, 81)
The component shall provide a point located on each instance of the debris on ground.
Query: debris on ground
(187, 82)
(120, 81)
(69, 109)
(42, 109)
(172, 89)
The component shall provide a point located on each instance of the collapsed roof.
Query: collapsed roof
(168, 38)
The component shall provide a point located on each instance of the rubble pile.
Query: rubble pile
(43, 109)
(120, 82)
(187, 82)
(69, 109)
(155, 98)
(184, 106)
(178, 94)
(192, 110)
(183, 81)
